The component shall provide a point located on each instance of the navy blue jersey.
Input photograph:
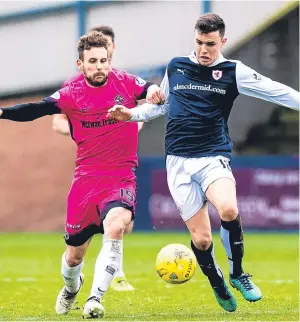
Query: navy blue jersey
(199, 100)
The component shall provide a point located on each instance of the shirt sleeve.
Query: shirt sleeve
(140, 86)
(62, 99)
(147, 112)
(29, 111)
(251, 83)
(143, 95)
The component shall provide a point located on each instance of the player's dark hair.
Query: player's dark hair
(106, 30)
(93, 39)
(210, 22)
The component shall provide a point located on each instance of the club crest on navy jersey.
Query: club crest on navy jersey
(217, 74)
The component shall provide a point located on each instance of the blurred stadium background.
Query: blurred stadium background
(38, 42)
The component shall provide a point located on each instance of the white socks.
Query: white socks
(71, 275)
(107, 264)
(119, 272)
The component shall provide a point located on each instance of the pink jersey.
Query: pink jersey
(103, 145)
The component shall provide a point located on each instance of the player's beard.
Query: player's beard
(91, 79)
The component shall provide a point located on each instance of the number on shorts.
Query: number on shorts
(225, 164)
(127, 193)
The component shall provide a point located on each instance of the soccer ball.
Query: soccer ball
(175, 263)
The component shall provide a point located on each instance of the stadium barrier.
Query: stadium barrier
(267, 191)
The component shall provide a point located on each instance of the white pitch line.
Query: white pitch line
(33, 280)
(7, 279)
(277, 281)
(26, 279)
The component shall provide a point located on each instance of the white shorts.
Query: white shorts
(189, 178)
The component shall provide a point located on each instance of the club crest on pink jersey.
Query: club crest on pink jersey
(217, 74)
(139, 81)
(119, 99)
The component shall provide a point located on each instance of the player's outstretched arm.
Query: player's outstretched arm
(251, 83)
(29, 112)
(154, 96)
(60, 124)
(141, 113)
(146, 111)
(120, 112)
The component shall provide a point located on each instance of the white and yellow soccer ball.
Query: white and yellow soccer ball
(175, 263)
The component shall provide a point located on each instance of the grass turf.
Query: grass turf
(30, 280)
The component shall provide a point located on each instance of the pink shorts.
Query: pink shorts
(90, 199)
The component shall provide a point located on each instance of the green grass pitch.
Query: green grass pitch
(30, 280)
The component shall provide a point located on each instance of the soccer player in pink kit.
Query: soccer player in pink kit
(60, 124)
(103, 193)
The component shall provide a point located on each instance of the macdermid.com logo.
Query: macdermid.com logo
(208, 88)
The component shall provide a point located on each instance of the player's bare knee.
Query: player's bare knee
(73, 259)
(115, 222)
(202, 240)
(228, 212)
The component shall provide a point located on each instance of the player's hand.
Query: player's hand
(155, 95)
(1, 112)
(119, 112)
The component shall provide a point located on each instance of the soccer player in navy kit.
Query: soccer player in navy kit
(199, 93)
